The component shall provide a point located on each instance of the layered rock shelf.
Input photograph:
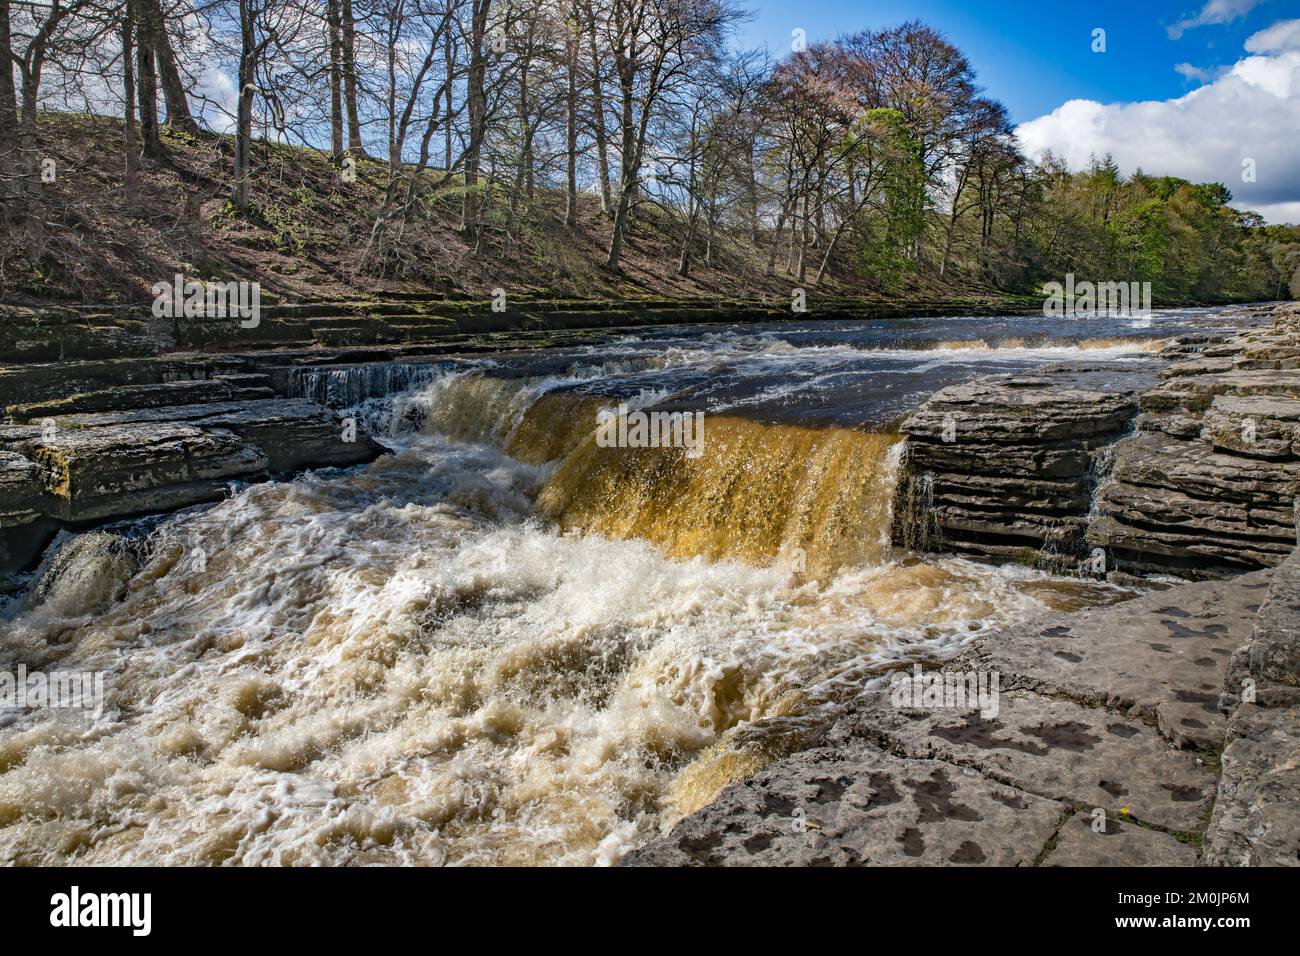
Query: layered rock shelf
(51, 334)
(1120, 738)
(136, 449)
(1209, 483)
(1005, 466)
(1195, 476)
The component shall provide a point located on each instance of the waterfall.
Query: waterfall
(343, 386)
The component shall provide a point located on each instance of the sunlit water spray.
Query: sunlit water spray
(498, 644)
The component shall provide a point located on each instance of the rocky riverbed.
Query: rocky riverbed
(1160, 731)
(1082, 470)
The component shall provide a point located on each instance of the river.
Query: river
(502, 642)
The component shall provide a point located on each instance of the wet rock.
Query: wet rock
(89, 467)
(85, 573)
(23, 505)
(1107, 708)
(133, 468)
(859, 806)
(1085, 841)
(21, 489)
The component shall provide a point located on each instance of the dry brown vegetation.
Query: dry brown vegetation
(301, 238)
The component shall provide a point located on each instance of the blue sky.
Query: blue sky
(1034, 56)
(1192, 88)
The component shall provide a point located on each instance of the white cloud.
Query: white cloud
(1280, 212)
(1189, 72)
(1251, 111)
(1214, 12)
(1281, 36)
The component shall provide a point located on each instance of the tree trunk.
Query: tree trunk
(802, 269)
(775, 249)
(598, 117)
(146, 79)
(684, 260)
(8, 93)
(632, 145)
(244, 122)
(178, 107)
(29, 176)
(792, 253)
(9, 164)
(449, 55)
(128, 102)
(692, 204)
(571, 132)
(350, 79)
(952, 221)
(830, 250)
(751, 189)
(476, 106)
(334, 18)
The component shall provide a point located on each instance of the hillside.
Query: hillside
(302, 239)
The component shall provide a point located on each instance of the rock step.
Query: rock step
(94, 466)
(1210, 483)
(161, 394)
(43, 382)
(1197, 475)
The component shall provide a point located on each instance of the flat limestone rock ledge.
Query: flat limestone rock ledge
(1081, 756)
(53, 381)
(1112, 708)
(859, 806)
(1113, 843)
(1161, 657)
